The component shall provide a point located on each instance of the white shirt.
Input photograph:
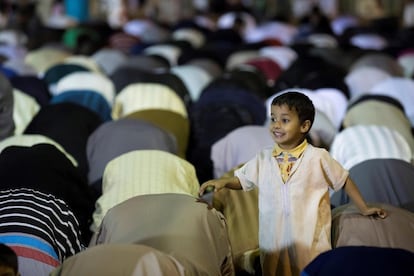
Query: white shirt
(294, 216)
(358, 143)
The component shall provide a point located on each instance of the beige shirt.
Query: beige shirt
(182, 226)
(142, 96)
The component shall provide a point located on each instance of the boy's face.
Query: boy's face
(285, 127)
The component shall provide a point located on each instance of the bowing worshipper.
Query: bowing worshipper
(316, 72)
(83, 60)
(369, 142)
(53, 74)
(364, 111)
(114, 138)
(227, 154)
(250, 78)
(193, 77)
(68, 124)
(231, 151)
(379, 60)
(240, 56)
(401, 89)
(33, 86)
(170, 121)
(29, 140)
(109, 59)
(383, 180)
(151, 61)
(167, 13)
(145, 31)
(90, 99)
(25, 108)
(406, 59)
(224, 105)
(110, 259)
(204, 59)
(6, 108)
(141, 96)
(270, 69)
(351, 229)
(179, 225)
(39, 227)
(45, 57)
(236, 206)
(169, 50)
(284, 56)
(88, 81)
(361, 261)
(45, 168)
(129, 73)
(361, 80)
(189, 33)
(141, 172)
(123, 42)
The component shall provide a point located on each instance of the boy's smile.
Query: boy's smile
(286, 129)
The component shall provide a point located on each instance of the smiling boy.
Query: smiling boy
(293, 180)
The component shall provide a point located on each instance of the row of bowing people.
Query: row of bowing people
(102, 156)
(36, 164)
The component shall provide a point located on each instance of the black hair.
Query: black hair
(8, 257)
(299, 102)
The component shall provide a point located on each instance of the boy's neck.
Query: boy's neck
(297, 149)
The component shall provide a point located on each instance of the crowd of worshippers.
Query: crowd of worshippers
(110, 127)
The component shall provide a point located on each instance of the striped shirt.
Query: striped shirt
(359, 143)
(141, 172)
(38, 226)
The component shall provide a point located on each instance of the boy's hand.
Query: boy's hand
(376, 212)
(217, 184)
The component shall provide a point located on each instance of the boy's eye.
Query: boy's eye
(285, 121)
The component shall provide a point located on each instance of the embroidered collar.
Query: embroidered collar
(296, 152)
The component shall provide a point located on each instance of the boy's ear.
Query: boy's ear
(305, 127)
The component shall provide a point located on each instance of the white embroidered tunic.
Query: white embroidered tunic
(294, 217)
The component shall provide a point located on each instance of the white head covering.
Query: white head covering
(407, 62)
(282, 55)
(343, 22)
(361, 80)
(281, 31)
(369, 41)
(109, 59)
(191, 35)
(401, 89)
(194, 78)
(87, 81)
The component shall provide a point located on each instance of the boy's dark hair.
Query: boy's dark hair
(8, 257)
(299, 102)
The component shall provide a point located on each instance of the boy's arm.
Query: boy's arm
(353, 192)
(220, 183)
